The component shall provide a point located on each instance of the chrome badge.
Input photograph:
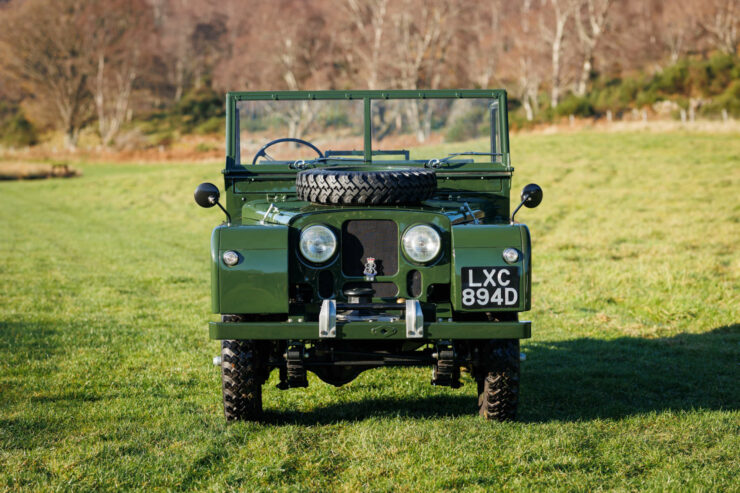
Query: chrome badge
(370, 269)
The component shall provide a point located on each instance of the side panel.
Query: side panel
(259, 282)
(483, 245)
(215, 268)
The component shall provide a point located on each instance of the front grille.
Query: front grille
(369, 238)
(382, 289)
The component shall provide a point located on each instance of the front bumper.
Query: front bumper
(369, 330)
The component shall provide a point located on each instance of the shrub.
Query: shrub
(728, 100)
(198, 106)
(470, 125)
(17, 131)
(211, 126)
(575, 105)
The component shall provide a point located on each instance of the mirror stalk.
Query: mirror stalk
(228, 216)
(511, 221)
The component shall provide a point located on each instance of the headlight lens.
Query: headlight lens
(421, 243)
(511, 255)
(231, 258)
(318, 244)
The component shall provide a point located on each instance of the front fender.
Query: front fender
(259, 282)
(477, 245)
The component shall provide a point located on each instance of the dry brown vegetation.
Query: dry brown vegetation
(100, 65)
(35, 171)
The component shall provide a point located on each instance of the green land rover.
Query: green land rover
(342, 251)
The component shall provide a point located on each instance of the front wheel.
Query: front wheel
(498, 379)
(241, 380)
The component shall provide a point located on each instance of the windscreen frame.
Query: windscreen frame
(499, 120)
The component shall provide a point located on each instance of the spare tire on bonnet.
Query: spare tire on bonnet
(353, 185)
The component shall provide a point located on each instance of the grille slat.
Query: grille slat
(369, 238)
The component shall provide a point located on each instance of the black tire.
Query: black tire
(241, 380)
(498, 379)
(339, 186)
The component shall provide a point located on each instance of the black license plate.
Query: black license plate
(490, 287)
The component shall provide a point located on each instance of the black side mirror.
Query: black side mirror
(207, 195)
(532, 195)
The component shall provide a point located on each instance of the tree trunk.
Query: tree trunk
(179, 79)
(528, 109)
(585, 74)
(71, 136)
(557, 46)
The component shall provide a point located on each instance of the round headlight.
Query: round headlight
(318, 244)
(511, 255)
(421, 243)
(231, 258)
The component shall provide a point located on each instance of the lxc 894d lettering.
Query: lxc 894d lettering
(342, 251)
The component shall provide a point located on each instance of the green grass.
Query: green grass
(632, 377)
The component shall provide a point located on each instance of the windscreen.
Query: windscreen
(326, 124)
(430, 128)
(417, 129)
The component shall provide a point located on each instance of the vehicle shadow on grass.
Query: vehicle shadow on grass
(584, 379)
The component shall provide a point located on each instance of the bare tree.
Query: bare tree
(483, 41)
(591, 18)
(525, 63)
(554, 18)
(116, 34)
(294, 55)
(424, 32)
(50, 62)
(191, 37)
(720, 20)
(367, 37)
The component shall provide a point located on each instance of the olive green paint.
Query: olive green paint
(470, 211)
(258, 283)
(368, 330)
(215, 268)
(483, 245)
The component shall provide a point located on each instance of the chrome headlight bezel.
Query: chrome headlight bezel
(412, 233)
(309, 237)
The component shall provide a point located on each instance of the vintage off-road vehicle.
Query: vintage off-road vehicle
(338, 256)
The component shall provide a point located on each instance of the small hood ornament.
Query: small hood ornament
(370, 269)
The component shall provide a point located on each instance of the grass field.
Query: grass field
(632, 376)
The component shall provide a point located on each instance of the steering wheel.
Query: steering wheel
(264, 148)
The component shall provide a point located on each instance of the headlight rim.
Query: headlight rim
(334, 250)
(437, 254)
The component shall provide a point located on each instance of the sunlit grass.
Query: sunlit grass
(631, 377)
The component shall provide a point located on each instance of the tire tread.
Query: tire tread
(349, 187)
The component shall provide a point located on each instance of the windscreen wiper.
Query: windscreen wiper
(436, 163)
(307, 163)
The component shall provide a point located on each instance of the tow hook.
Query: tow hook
(446, 371)
(294, 374)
